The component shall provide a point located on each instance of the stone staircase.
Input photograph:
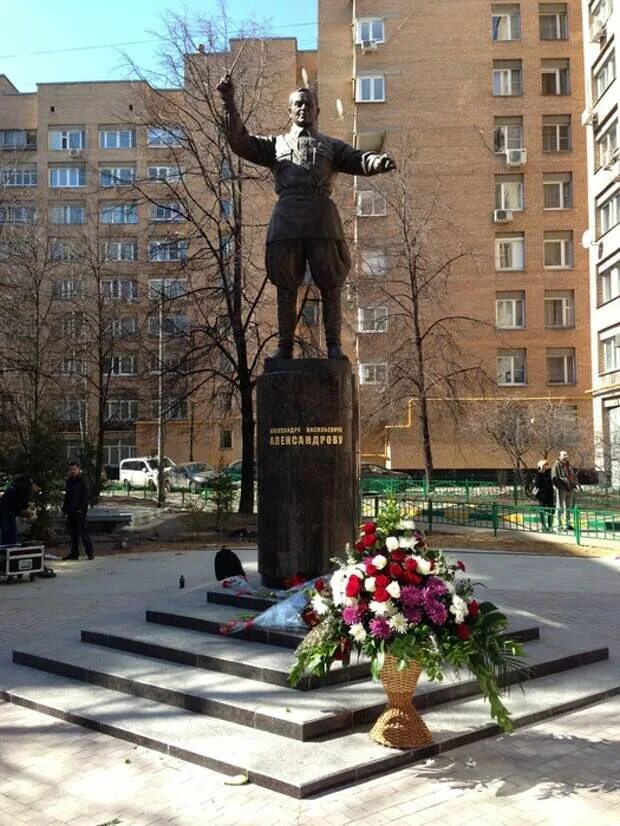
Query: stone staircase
(175, 684)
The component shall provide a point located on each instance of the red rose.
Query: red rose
(396, 570)
(474, 609)
(353, 586)
(362, 607)
(382, 581)
(371, 569)
(310, 617)
(369, 539)
(412, 578)
(344, 649)
(369, 527)
(359, 546)
(460, 565)
(319, 585)
(463, 631)
(411, 564)
(398, 555)
(381, 595)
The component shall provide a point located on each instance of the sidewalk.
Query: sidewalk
(560, 772)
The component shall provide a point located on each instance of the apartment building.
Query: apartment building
(601, 25)
(485, 100)
(482, 102)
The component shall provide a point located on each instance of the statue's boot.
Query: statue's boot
(332, 320)
(287, 319)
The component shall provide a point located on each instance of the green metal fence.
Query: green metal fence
(584, 522)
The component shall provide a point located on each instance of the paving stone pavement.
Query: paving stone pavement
(563, 771)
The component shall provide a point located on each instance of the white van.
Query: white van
(141, 471)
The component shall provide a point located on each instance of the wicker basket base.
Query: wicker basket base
(400, 729)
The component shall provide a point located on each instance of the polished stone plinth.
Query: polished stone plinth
(307, 449)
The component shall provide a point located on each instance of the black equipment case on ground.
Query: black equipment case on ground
(21, 560)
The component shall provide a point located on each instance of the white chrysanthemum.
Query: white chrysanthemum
(398, 623)
(391, 543)
(423, 565)
(459, 608)
(337, 584)
(393, 589)
(351, 602)
(358, 632)
(370, 584)
(382, 609)
(379, 561)
(319, 605)
(405, 542)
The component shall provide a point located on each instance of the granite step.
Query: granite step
(295, 768)
(231, 654)
(266, 706)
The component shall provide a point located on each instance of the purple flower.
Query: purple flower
(350, 615)
(435, 586)
(414, 615)
(437, 611)
(410, 596)
(379, 628)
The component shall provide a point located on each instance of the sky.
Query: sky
(51, 41)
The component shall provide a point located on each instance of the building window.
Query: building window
(561, 366)
(117, 138)
(371, 30)
(71, 367)
(225, 170)
(170, 174)
(604, 75)
(558, 250)
(555, 77)
(21, 175)
(506, 22)
(606, 146)
(67, 176)
(170, 212)
(18, 139)
(601, 10)
(557, 190)
(121, 366)
(74, 138)
(70, 326)
(167, 288)
(609, 344)
(559, 308)
(373, 373)
(68, 214)
(67, 289)
(64, 251)
(507, 78)
(119, 214)
(510, 310)
(608, 213)
(609, 284)
(510, 252)
(371, 203)
(509, 192)
(553, 21)
(370, 89)
(556, 134)
(121, 250)
(311, 313)
(124, 327)
(372, 319)
(164, 136)
(18, 214)
(172, 409)
(121, 410)
(117, 175)
(114, 454)
(373, 262)
(119, 289)
(511, 366)
(226, 439)
(171, 325)
(507, 134)
(163, 250)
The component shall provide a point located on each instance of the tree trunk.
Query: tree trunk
(246, 500)
(426, 442)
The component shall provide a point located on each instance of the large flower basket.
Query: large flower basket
(400, 726)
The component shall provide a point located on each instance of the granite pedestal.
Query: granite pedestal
(307, 450)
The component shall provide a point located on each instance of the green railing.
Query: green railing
(494, 515)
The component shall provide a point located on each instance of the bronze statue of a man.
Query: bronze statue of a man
(305, 225)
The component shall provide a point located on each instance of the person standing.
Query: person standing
(544, 494)
(564, 478)
(13, 502)
(75, 507)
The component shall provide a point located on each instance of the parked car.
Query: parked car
(192, 476)
(141, 471)
(233, 470)
(379, 479)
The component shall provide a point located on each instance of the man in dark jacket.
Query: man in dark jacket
(75, 507)
(14, 501)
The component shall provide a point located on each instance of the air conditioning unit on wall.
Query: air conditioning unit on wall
(501, 216)
(516, 157)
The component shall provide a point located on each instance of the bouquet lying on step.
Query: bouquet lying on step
(395, 595)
